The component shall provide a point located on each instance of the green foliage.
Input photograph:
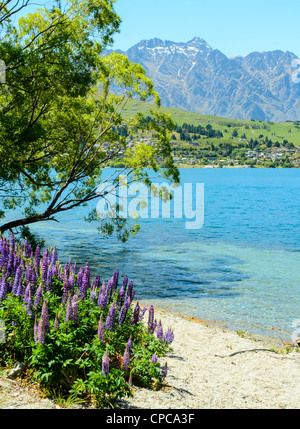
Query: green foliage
(68, 362)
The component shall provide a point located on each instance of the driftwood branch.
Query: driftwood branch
(247, 351)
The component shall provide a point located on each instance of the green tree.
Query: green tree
(59, 119)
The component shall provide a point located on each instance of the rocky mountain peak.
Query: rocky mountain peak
(194, 76)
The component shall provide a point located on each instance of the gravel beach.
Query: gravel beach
(212, 368)
(209, 368)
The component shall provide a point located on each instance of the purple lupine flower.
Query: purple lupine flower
(35, 330)
(129, 343)
(3, 286)
(101, 330)
(136, 314)
(45, 316)
(154, 358)
(4, 253)
(27, 291)
(164, 371)
(49, 278)
(79, 278)
(130, 291)
(93, 293)
(85, 280)
(97, 281)
(17, 262)
(20, 289)
(103, 288)
(69, 311)
(75, 301)
(41, 332)
(151, 329)
(10, 263)
(17, 279)
(38, 297)
(126, 358)
(28, 272)
(169, 337)
(32, 281)
(110, 321)
(142, 313)
(66, 290)
(105, 364)
(71, 282)
(124, 310)
(55, 269)
(150, 317)
(45, 266)
(67, 271)
(102, 300)
(159, 332)
(29, 305)
(109, 291)
(121, 297)
(56, 321)
(115, 279)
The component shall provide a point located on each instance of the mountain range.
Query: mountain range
(193, 76)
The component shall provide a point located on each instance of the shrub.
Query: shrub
(79, 338)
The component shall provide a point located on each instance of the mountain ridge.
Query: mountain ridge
(194, 76)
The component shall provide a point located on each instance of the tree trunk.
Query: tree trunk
(22, 222)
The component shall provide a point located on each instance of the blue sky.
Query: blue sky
(234, 27)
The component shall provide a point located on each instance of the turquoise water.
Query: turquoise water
(241, 268)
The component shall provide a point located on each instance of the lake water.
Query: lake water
(241, 268)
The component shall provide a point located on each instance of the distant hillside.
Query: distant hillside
(251, 129)
(195, 77)
(211, 141)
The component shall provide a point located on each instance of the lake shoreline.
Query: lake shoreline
(213, 368)
(272, 341)
(233, 166)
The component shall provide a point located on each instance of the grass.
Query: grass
(276, 131)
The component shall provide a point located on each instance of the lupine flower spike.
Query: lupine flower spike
(126, 358)
(41, 332)
(35, 330)
(45, 316)
(154, 358)
(159, 332)
(56, 322)
(105, 364)
(101, 330)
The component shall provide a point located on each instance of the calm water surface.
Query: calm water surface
(241, 268)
